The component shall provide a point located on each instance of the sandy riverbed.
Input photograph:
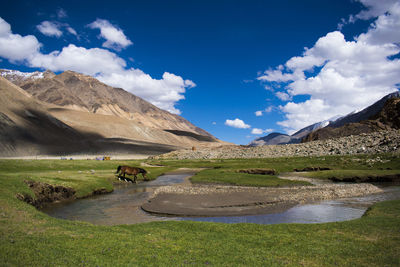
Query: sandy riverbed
(221, 200)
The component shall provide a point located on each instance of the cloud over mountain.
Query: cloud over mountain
(258, 131)
(341, 75)
(101, 63)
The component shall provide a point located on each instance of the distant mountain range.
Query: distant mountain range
(381, 115)
(45, 113)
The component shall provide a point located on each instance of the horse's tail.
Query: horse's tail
(118, 169)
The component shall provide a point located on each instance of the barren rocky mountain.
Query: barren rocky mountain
(388, 117)
(81, 92)
(378, 116)
(74, 113)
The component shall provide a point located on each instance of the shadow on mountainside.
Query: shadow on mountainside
(41, 133)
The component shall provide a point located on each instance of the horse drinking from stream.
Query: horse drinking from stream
(123, 170)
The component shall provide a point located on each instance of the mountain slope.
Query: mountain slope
(385, 118)
(24, 122)
(272, 139)
(339, 126)
(29, 126)
(282, 139)
(81, 92)
(364, 114)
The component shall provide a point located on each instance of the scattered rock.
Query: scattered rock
(372, 143)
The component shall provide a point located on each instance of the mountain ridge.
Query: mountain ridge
(65, 89)
(33, 123)
(347, 125)
(382, 115)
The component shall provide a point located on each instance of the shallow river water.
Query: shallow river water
(123, 207)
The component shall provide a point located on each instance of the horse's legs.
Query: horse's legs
(135, 178)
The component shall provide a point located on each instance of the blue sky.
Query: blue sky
(217, 63)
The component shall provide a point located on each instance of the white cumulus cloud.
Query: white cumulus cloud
(15, 47)
(257, 131)
(258, 113)
(340, 75)
(283, 96)
(98, 62)
(88, 61)
(375, 8)
(237, 123)
(115, 37)
(163, 93)
(49, 28)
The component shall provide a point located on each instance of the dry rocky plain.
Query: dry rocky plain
(377, 142)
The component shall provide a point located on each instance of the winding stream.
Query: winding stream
(122, 206)
(321, 212)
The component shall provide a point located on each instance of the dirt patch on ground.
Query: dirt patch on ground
(46, 193)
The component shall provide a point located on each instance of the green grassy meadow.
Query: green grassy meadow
(29, 237)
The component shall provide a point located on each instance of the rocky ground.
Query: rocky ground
(371, 143)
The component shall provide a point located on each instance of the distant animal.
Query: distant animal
(123, 170)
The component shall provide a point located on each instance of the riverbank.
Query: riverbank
(223, 200)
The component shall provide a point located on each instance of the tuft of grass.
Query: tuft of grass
(342, 174)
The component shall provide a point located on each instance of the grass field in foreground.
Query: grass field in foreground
(31, 238)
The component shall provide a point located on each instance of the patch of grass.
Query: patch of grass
(341, 174)
(229, 176)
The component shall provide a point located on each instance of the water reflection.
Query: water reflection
(327, 211)
(317, 213)
(119, 207)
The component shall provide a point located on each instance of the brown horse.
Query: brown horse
(122, 170)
